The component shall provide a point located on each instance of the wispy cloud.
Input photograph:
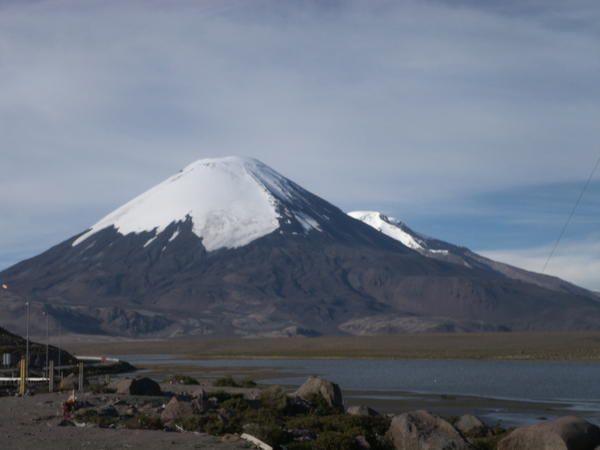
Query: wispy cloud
(365, 103)
(575, 261)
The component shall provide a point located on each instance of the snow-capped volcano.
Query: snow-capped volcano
(229, 246)
(230, 202)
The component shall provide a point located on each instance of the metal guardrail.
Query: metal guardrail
(97, 359)
(22, 382)
(13, 380)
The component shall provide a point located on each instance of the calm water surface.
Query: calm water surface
(519, 380)
(575, 384)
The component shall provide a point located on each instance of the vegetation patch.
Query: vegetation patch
(231, 382)
(278, 421)
(180, 379)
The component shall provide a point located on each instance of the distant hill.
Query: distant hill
(444, 251)
(230, 247)
(15, 345)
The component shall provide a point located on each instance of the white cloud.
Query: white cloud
(361, 102)
(576, 262)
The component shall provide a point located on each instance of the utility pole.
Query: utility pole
(47, 345)
(59, 351)
(27, 347)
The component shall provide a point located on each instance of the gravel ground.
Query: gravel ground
(32, 423)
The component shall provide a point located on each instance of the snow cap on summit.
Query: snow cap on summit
(231, 201)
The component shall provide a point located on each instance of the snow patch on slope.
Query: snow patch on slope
(388, 226)
(395, 229)
(231, 202)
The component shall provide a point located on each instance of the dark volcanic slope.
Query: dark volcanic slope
(444, 251)
(341, 276)
(305, 282)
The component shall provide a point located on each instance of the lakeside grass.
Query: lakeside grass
(567, 346)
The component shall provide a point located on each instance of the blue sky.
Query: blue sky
(474, 122)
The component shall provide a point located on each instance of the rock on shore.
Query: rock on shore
(419, 430)
(361, 411)
(176, 410)
(137, 386)
(470, 425)
(330, 392)
(566, 433)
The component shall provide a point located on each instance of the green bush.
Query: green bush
(191, 423)
(300, 446)
(223, 396)
(272, 434)
(273, 398)
(236, 404)
(372, 428)
(147, 422)
(91, 416)
(311, 423)
(180, 379)
(229, 381)
(489, 442)
(320, 407)
(248, 383)
(335, 440)
(217, 425)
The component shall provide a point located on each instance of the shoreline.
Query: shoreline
(508, 410)
(107, 415)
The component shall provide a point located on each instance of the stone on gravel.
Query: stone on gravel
(419, 430)
(361, 410)
(176, 410)
(65, 423)
(566, 433)
(108, 411)
(330, 392)
(230, 438)
(138, 386)
(132, 411)
(470, 425)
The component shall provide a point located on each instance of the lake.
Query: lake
(563, 386)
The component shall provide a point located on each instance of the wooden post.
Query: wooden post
(22, 381)
(80, 377)
(51, 376)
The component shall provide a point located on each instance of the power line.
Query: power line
(565, 226)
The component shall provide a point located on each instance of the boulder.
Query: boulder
(138, 386)
(108, 411)
(329, 391)
(566, 433)
(176, 410)
(361, 410)
(470, 425)
(419, 430)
